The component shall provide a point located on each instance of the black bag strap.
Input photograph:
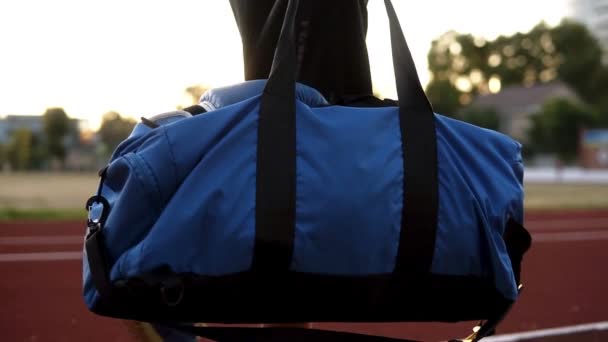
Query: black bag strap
(419, 141)
(279, 334)
(276, 160)
(195, 109)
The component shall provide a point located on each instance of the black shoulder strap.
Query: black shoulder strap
(195, 110)
(277, 334)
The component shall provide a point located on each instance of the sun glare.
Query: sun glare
(494, 84)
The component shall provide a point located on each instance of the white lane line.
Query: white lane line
(41, 240)
(573, 329)
(570, 236)
(536, 236)
(46, 256)
(567, 224)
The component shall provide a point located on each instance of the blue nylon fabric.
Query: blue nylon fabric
(213, 210)
(183, 195)
(481, 187)
(223, 96)
(344, 201)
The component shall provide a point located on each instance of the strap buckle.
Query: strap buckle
(482, 330)
(96, 219)
(473, 337)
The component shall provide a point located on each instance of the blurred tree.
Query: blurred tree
(471, 65)
(444, 97)
(56, 127)
(19, 150)
(556, 128)
(581, 56)
(482, 117)
(25, 151)
(3, 156)
(195, 92)
(600, 83)
(114, 129)
(39, 153)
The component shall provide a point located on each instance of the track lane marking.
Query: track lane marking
(567, 330)
(538, 237)
(570, 236)
(77, 255)
(42, 256)
(567, 224)
(41, 240)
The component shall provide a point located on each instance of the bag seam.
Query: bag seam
(171, 154)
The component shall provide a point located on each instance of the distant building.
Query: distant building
(516, 104)
(594, 148)
(33, 123)
(80, 146)
(594, 14)
(11, 123)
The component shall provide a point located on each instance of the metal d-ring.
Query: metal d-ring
(96, 224)
(172, 292)
(105, 211)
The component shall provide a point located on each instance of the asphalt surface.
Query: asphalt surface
(565, 277)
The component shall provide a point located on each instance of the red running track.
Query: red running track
(565, 278)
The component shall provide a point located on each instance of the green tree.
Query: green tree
(556, 128)
(600, 84)
(195, 92)
(473, 66)
(39, 153)
(3, 155)
(56, 127)
(444, 97)
(19, 151)
(114, 129)
(581, 60)
(482, 117)
(192, 94)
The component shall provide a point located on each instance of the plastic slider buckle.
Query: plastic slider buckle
(474, 337)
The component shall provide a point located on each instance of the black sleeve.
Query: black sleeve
(332, 53)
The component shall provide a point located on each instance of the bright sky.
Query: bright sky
(137, 57)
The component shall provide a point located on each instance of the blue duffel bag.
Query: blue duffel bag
(267, 204)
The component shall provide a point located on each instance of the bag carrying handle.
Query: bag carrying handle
(276, 162)
(283, 70)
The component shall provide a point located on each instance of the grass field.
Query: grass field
(46, 190)
(63, 195)
(566, 196)
(45, 195)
